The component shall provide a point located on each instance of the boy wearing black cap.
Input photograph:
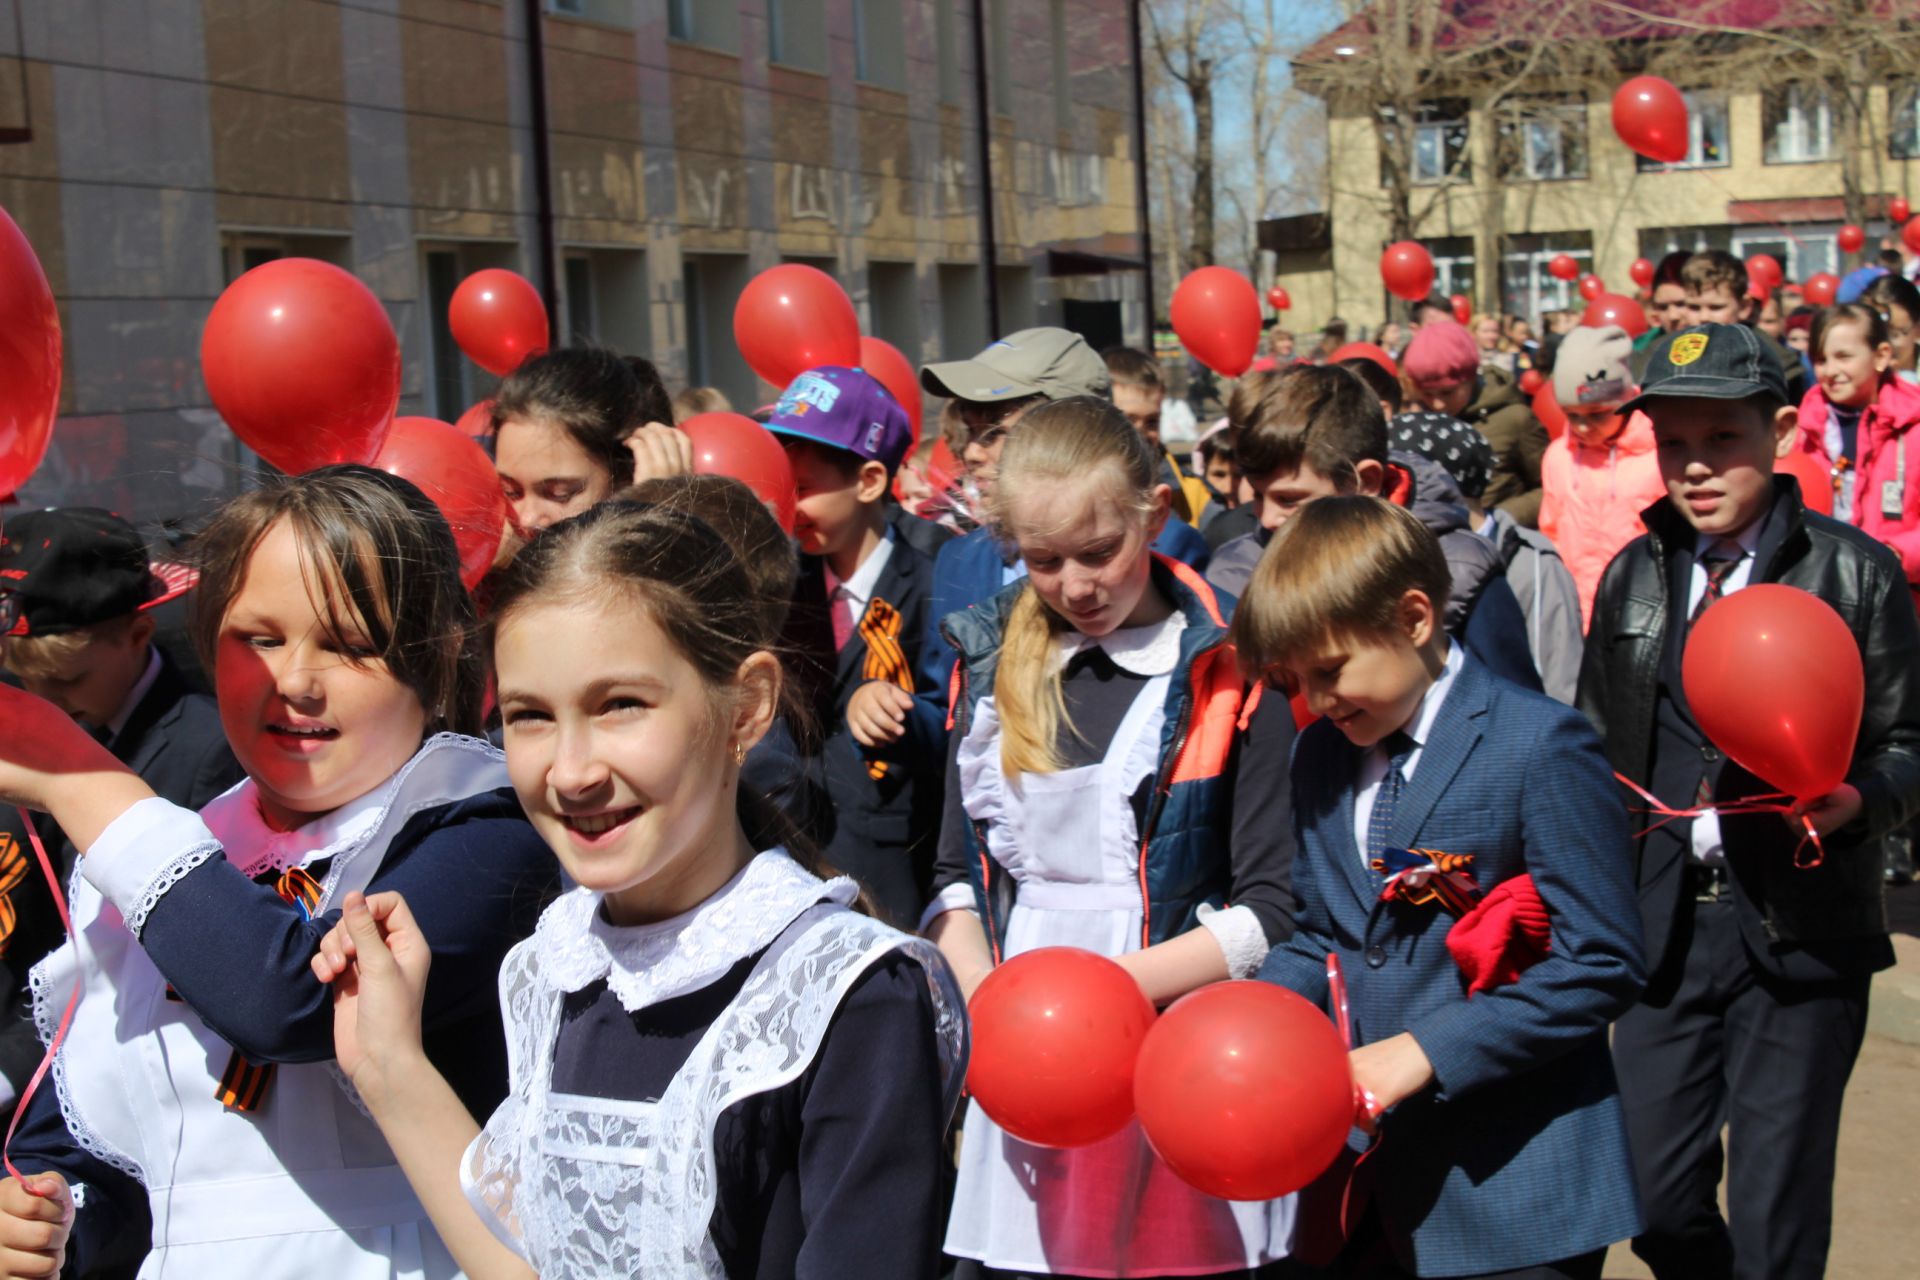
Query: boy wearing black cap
(859, 616)
(1758, 967)
(76, 595)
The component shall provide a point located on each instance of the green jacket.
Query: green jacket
(1501, 412)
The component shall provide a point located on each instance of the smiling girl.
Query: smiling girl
(1859, 421)
(1110, 788)
(194, 1104)
(719, 1068)
(562, 422)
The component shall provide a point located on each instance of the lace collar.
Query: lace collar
(1150, 650)
(448, 767)
(645, 964)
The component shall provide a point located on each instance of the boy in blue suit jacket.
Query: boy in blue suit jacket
(1501, 1114)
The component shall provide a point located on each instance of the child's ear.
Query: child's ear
(1370, 477)
(870, 485)
(1417, 617)
(757, 685)
(1749, 308)
(140, 634)
(1162, 508)
(1883, 357)
(1786, 430)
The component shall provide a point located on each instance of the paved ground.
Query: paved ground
(1877, 1193)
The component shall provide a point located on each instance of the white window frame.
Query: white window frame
(1700, 104)
(1903, 120)
(1555, 120)
(1805, 134)
(1544, 291)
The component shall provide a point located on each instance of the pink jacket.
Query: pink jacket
(1886, 432)
(1592, 497)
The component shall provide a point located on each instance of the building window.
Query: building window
(879, 44)
(1542, 139)
(1807, 251)
(1439, 143)
(680, 19)
(702, 22)
(1903, 133)
(797, 34)
(1062, 69)
(1000, 80)
(1797, 122)
(1452, 265)
(1528, 288)
(1708, 133)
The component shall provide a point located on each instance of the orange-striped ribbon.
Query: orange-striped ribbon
(886, 660)
(243, 1086)
(13, 871)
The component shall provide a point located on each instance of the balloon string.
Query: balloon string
(1364, 1103)
(66, 1016)
(1771, 802)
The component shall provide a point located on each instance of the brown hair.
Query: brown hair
(1713, 269)
(736, 513)
(1871, 322)
(1130, 367)
(43, 657)
(694, 401)
(1339, 568)
(695, 588)
(1384, 385)
(1322, 416)
(1060, 444)
(379, 552)
(598, 397)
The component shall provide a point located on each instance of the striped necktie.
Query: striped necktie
(1398, 746)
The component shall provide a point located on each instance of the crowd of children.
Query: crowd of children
(619, 917)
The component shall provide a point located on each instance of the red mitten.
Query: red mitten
(1502, 936)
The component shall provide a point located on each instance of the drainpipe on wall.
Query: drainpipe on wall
(989, 253)
(542, 162)
(1140, 165)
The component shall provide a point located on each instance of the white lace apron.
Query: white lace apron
(303, 1186)
(1070, 841)
(592, 1187)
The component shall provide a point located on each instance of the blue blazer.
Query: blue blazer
(1517, 1155)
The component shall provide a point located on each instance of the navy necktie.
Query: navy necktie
(1398, 747)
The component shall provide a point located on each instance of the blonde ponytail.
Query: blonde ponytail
(1065, 443)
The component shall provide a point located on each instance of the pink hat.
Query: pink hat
(1442, 354)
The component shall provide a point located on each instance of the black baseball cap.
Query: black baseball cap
(64, 568)
(1712, 362)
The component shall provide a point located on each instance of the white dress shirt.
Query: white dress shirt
(1706, 828)
(140, 689)
(1373, 767)
(848, 600)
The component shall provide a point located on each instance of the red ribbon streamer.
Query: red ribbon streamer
(1772, 802)
(66, 1016)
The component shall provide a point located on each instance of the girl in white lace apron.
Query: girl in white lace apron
(1111, 785)
(718, 1067)
(193, 1106)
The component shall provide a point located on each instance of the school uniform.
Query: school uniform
(1166, 808)
(195, 1088)
(756, 1088)
(1522, 1125)
(172, 738)
(1759, 967)
(881, 822)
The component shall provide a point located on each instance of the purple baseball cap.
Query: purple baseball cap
(844, 409)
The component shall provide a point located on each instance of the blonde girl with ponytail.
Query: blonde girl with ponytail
(1111, 785)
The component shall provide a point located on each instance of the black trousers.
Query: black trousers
(1769, 1060)
(1367, 1256)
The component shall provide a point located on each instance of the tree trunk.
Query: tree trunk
(1200, 88)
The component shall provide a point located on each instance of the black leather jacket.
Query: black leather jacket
(1803, 923)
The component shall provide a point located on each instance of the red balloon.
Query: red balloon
(498, 319)
(457, 474)
(1243, 1088)
(792, 318)
(1217, 316)
(1279, 299)
(1531, 380)
(1407, 269)
(1820, 288)
(1546, 407)
(1365, 351)
(1764, 270)
(29, 358)
(1591, 287)
(477, 422)
(892, 370)
(1852, 239)
(1650, 116)
(301, 360)
(1641, 272)
(1462, 307)
(1816, 482)
(1898, 210)
(1563, 267)
(1611, 308)
(1910, 236)
(732, 444)
(1055, 1035)
(1773, 675)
